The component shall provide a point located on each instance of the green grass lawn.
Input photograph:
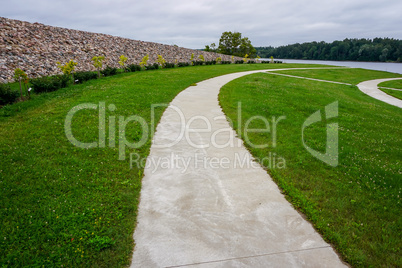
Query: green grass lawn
(356, 205)
(346, 75)
(63, 205)
(392, 84)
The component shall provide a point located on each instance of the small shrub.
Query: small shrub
(7, 95)
(154, 66)
(98, 63)
(239, 62)
(81, 77)
(161, 61)
(49, 83)
(198, 62)
(122, 61)
(226, 62)
(169, 65)
(183, 64)
(144, 61)
(134, 68)
(250, 62)
(109, 71)
(21, 76)
(67, 68)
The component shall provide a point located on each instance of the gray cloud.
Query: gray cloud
(194, 24)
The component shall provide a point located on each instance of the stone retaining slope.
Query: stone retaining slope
(36, 48)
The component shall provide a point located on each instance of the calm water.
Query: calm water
(380, 66)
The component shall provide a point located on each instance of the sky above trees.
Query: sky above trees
(194, 24)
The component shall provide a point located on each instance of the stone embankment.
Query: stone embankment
(36, 49)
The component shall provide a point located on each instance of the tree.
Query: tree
(213, 47)
(20, 75)
(192, 59)
(245, 59)
(233, 44)
(210, 48)
(68, 68)
(98, 63)
(161, 61)
(144, 60)
(122, 61)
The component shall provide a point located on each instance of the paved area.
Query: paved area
(205, 202)
(371, 88)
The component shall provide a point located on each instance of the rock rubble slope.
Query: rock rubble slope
(36, 48)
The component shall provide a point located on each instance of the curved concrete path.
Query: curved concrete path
(371, 88)
(214, 206)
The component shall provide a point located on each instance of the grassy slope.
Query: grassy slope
(59, 204)
(356, 205)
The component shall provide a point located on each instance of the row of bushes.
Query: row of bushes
(276, 61)
(49, 83)
(52, 83)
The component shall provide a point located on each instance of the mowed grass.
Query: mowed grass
(392, 84)
(61, 205)
(357, 205)
(345, 75)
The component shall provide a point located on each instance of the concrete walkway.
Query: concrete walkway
(206, 203)
(371, 88)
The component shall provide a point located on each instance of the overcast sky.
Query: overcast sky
(194, 24)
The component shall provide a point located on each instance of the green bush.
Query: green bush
(84, 76)
(154, 66)
(226, 62)
(198, 62)
(169, 65)
(133, 68)
(109, 71)
(239, 62)
(7, 95)
(49, 83)
(250, 62)
(211, 62)
(183, 64)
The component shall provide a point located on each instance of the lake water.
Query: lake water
(379, 66)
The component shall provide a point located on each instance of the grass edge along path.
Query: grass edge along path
(63, 205)
(389, 86)
(355, 205)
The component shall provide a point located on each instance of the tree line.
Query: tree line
(377, 49)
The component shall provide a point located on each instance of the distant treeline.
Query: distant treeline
(378, 49)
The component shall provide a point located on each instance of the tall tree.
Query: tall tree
(233, 44)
